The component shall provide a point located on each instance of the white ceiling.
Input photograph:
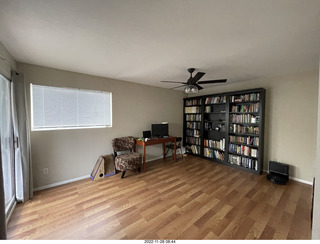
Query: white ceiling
(146, 41)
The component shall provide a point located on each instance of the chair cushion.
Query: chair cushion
(128, 161)
(123, 143)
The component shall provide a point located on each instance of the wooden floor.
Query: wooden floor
(190, 199)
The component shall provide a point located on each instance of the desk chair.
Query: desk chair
(178, 145)
(125, 156)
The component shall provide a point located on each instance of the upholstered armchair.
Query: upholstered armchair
(125, 156)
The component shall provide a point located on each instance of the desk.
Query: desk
(162, 141)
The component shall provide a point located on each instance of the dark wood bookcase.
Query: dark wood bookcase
(227, 128)
(193, 125)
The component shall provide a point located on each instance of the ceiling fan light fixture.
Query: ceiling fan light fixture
(191, 89)
(194, 89)
(193, 85)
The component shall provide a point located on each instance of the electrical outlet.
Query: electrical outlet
(45, 171)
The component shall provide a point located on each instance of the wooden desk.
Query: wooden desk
(162, 141)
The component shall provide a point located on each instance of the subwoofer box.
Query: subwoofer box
(278, 173)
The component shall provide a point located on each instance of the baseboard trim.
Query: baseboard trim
(149, 160)
(61, 183)
(302, 181)
(76, 179)
(152, 159)
(295, 179)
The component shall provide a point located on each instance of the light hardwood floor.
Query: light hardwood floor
(190, 199)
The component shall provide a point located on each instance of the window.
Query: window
(67, 108)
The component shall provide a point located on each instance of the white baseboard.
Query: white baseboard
(61, 183)
(302, 181)
(295, 179)
(76, 179)
(152, 159)
(149, 160)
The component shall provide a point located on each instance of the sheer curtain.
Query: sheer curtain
(21, 128)
(3, 233)
(7, 195)
(16, 181)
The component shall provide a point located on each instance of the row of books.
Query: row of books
(216, 144)
(192, 110)
(193, 117)
(193, 125)
(195, 149)
(234, 128)
(212, 109)
(212, 153)
(213, 100)
(244, 118)
(243, 150)
(222, 99)
(193, 102)
(246, 108)
(248, 140)
(244, 162)
(245, 98)
(193, 140)
(195, 133)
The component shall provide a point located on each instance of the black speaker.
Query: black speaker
(278, 173)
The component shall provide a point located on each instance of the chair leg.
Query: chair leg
(139, 169)
(181, 155)
(123, 173)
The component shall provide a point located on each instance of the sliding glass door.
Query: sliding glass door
(7, 151)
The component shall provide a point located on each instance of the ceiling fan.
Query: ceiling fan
(192, 84)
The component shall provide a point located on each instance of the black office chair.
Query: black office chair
(178, 145)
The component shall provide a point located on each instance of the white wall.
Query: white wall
(290, 119)
(290, 123)
(316, 202)
(70, 154)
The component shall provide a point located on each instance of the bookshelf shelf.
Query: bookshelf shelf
(241, 144)
(215, 148)
(244, 113)
(238, 154)
(241, 123)
(242, 134)
(229, 128)
(215, 131)
(215, 112)
(214, 159)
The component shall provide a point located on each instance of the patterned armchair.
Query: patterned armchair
(125, 156)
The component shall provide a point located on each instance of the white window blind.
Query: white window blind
(67, 108)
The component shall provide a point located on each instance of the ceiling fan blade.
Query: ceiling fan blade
(174, 82)
(177, 87)
(199, 87)
(212, 81)
(197, 77)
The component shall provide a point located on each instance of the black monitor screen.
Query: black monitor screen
(160, 130)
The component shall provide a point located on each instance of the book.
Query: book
(215, 144)
(215, 100)
(192, 110)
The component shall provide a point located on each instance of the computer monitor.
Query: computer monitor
(160, 130)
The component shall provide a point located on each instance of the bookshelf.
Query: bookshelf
(227, 128)
(214, 130)
(193, 125)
